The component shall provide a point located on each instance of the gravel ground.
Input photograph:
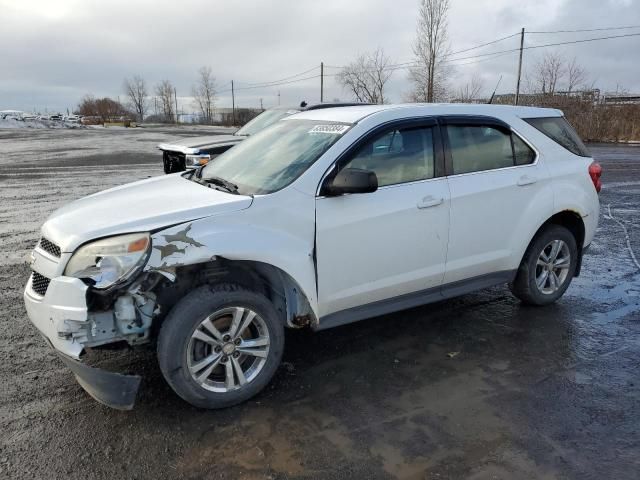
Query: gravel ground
(474, 387)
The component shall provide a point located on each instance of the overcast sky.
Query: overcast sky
(52, 52)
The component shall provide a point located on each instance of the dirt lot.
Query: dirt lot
(475, 387)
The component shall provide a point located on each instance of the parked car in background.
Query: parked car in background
(12, 115)
(193, 152)
(72, 118)
(325, 218)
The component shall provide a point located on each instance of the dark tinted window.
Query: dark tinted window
(475, 148)
(398, 156)
(559, 130)
(521, 151)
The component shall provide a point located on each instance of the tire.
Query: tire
(531, 274)
(183, 356)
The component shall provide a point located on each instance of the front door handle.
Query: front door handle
(430, 201)
(526, 180)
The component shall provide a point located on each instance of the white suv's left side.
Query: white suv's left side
(326, 217)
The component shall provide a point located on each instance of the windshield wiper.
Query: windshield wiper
(221, 182)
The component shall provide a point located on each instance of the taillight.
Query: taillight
(595, 172)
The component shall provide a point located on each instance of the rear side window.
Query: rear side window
(475, 148)
(559, 130)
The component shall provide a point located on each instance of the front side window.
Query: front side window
(475, 148)
(398, 156)
(273, 158)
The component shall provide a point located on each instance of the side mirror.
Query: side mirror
(350, 180)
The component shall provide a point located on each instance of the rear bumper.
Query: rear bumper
(61, 316)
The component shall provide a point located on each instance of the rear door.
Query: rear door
(500, 193)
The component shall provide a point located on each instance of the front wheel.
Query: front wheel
(547, 268)
(220, 345)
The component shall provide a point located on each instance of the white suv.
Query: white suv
(325, 218)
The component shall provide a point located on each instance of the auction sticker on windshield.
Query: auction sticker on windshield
(335, 129)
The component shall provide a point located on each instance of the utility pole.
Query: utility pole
(321, 81)
(233, 103)
(519, 67)
(175, 100)
(261, 107)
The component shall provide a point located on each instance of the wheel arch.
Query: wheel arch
(287, 296)
(572, 221)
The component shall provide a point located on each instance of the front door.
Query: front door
(377, 246)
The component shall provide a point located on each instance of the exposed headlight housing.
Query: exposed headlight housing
(196, 160)
(110, 260)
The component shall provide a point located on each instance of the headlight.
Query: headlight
(196, 160)
(107, 261)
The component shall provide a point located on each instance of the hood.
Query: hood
(193, 144)
(137, 207)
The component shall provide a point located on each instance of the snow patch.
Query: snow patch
(10, 123)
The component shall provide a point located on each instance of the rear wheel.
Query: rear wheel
(220, 345)
(547, 267)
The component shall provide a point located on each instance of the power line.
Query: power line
(586, 30)
(402, 64)
(556, 44)
(272, 84)
(484, 44)
(281, 79)
(478, 57)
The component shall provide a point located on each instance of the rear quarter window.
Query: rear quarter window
(559, 130)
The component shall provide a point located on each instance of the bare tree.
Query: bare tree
(430, 49)
(204, 94)
(136, 90)
(164, 92)
(470, 91)
(367, 76)
(549, 72)
(576, 75)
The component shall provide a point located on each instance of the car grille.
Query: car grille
(39, 283)
(175, 157)
(49, 247)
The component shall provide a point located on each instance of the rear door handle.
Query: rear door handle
(526, 180)
(430, 201)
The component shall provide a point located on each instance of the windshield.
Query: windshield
(262, 121)
(276, 156)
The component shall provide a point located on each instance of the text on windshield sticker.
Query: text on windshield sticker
(335, 129)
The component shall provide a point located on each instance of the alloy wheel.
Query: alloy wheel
(552, 267)
(228, 349)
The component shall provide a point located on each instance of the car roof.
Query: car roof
(354, 114)
(319, 106)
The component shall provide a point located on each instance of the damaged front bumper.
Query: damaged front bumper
(112, 389)
(62, 317)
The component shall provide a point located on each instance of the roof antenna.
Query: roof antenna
(494, 91)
